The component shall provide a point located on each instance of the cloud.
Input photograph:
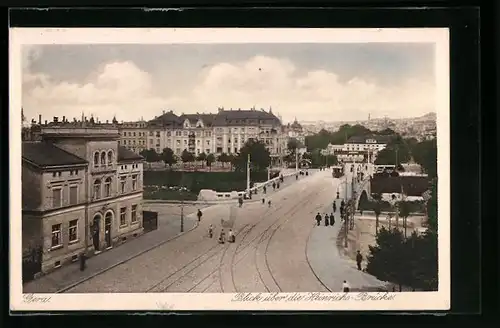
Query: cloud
(124, 90)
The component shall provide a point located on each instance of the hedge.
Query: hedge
(195, 181)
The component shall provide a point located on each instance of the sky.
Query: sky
(324, 81)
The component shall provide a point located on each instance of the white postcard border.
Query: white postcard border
(18, 37)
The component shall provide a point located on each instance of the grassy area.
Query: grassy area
(195, 181)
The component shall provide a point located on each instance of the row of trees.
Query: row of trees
(260, 157)
(410, 261)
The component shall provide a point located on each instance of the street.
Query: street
(269, 254)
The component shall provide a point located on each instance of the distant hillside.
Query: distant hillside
(426, 117)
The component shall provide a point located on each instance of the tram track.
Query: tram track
(224, 250)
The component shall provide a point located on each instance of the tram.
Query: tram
(337, 171)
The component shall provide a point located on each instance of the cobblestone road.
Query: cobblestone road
(269, 253)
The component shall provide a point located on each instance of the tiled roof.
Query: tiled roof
(127, 155)
(45, 154)
(247, 117)
(412, 185)
(207, 119)
(362, 139)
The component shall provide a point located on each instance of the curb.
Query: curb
(62, 290)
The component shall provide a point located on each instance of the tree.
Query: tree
(377, 208)
(292, 145)
(187, 156)
(386, 260)
(331, 160)
(363, 204)
(168, 157)
(210, 159)
(202, 158)
(432, 209)
(404, 212)
(260, 158)
(425, 154)
(150, 155)
(223, 158)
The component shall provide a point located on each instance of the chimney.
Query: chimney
(40, 119)
(56, 119)
(107, 121)
(64, 119)
(45, 122)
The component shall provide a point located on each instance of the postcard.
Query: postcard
(229, 169)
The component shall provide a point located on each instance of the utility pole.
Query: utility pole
(296, 159)
(248, 174)
(87, 227)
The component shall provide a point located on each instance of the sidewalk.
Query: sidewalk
(168, 229)
(329, 266)
(70, 274)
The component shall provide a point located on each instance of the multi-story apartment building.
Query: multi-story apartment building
(224, 132)
(81, 191)
(133, 135)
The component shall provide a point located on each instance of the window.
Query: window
(123, 180)
(97, 189)
(103, 158)
(73, 230)
(56, 197)
(110, 157)
(134, 182)
(123, 216)
(96, 159)
(73, 195)
(56, 235)
(133, 214)
(107, 187)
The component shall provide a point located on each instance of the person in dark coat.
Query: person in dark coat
(334, 206)
(327, 220)
(332, 219)
(264, 189)
(318, 218)
(359, 259)
(274, 185)
(83, 259)
(199, 214)
(263, 201)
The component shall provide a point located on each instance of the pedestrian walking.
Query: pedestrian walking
(222, 236)
(263, 201)
(269, 203)
(335, 206)
(240, 201)
(345, 287)
(327, 220)
(278, 185)
(231, 237)
(332, 219)
(210, 231)
(199, 214)
(318, 218)
(359, 259)
(264, 189)
(274, 185)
